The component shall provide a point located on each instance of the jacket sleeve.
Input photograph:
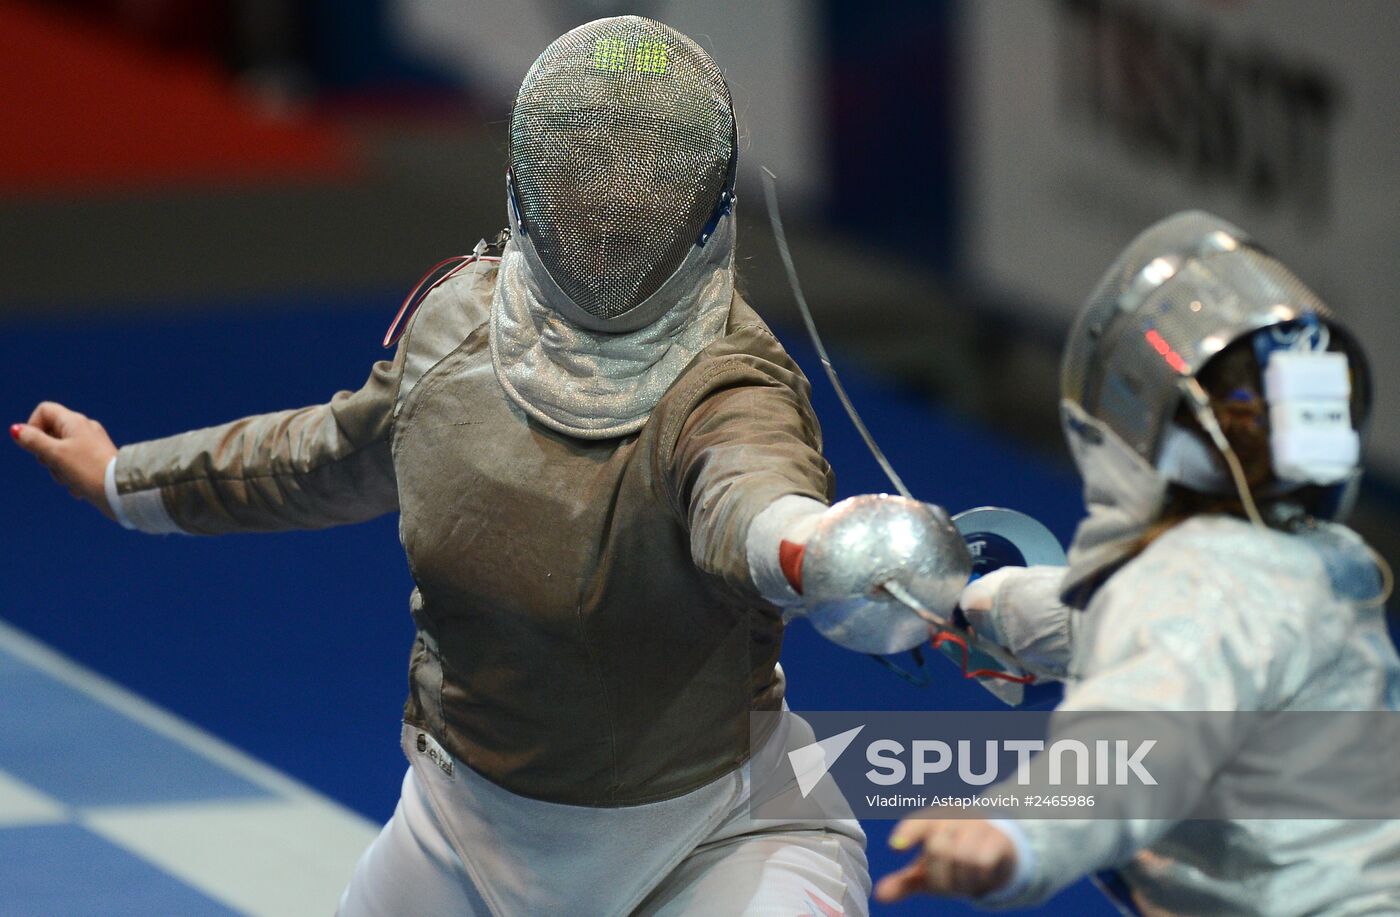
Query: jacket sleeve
(1182, 630)
(1019, 609)
(741, 435)
(313, 467)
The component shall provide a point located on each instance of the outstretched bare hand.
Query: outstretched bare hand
(74, 448)
(967, 858)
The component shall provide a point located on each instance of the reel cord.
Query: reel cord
(770, 193)
(1200, 405)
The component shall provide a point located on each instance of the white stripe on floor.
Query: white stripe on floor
(270, 858)
(114, 696)
(288, 855)
(21, 804)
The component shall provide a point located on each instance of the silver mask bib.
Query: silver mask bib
(593, 384)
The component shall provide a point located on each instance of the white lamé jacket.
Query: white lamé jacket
(1216, 615)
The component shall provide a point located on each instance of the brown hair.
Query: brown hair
(1235, 386)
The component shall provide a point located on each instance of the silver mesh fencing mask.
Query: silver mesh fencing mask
(622, 158)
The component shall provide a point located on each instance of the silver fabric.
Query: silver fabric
(863, 542)
(1218, 614)
(621, 143)
(594, 384)
(1123, 495)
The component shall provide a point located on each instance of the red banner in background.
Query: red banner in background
(90, 105)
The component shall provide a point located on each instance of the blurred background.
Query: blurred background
(210, 208)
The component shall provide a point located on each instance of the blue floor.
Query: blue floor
(109, 805)
(99, 878)
(74, 764)
(294, 647)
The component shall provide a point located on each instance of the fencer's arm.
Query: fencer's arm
(1019, 609)
(314, 467)
(747, 439)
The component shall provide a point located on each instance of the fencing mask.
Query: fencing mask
(1181, 293)
(622, 153)
(623, 149)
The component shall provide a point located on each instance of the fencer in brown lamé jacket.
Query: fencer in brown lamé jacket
(588, 630)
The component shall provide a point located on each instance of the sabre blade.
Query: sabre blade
(905, 598)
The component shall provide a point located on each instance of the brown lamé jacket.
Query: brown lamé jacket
(588, 632)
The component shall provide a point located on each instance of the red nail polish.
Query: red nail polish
(14, 430)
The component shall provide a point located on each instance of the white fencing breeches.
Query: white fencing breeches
(460, 845)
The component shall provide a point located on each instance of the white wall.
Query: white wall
(1305, 95)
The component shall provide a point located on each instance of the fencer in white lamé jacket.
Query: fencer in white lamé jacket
(1214, 615)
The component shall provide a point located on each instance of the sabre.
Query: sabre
(1021, 540)
(944, 626)
(1015, 539)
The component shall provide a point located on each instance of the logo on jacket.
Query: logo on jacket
(428, 746)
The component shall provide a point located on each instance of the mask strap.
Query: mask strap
(725, 204)
(515, 203)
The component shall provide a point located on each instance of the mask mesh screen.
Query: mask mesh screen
(620, 145)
